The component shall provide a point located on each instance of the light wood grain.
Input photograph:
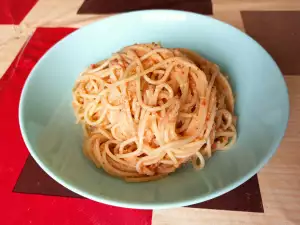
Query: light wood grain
(11, 40)
(232, 17)
(238, 5)
(188, 216)
(280, 179)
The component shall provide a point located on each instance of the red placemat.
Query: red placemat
(14, 11)
(18, 208)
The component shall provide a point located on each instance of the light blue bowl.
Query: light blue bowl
(55, 141)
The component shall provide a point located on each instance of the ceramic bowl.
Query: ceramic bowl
(54, 140)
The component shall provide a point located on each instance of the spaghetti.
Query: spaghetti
(147, 110)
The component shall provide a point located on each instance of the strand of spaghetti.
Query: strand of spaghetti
(124, 143)
(109, 106)
(140, 48)
(93, 108)
(186, 115)
(210, 85)
(103, 65)
(111, 68)
(110, 169)
(232, 141)
(197, 123)
(95, 150)
(89, 76)
(129, 118)
(124, 127)
(156, 131)
(135, 153)
(200, 87)
(116, 172)
(157, 91)
(154, 67)
(211, 115)
(137, 111)
(115, 134)
(158, 50)
(125, 59)
(185, 124)
(96, 75)
(230, 144)
(202, 161)
(225, 134)
(167, 162)
(142, 169)
(219, 118)
(185, 150)
(120, 166)
(185, 155)
(163, 79)
(149, 160)
(88, 96)
(96, 122)
(142, 164)
(195, 144)
(174, 144)
(208, 148)
(149, 108)
(184, 86)
(86, 131)
(103, 132)
(108, 152)
(172, 129)
(171, 156)
(192, 102)
(212, 101)
(141, 129)
(136, 47)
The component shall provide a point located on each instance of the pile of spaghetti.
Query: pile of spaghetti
(147, 110)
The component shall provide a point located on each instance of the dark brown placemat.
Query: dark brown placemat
(246, 198)
(117, 6)
(279, 33)
(33, 180)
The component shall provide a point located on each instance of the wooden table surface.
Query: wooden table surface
(279, 180)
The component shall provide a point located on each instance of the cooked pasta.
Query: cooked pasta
(147, 110)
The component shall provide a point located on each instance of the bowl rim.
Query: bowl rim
(126, 204)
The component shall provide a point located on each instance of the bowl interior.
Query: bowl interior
(55, 141)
